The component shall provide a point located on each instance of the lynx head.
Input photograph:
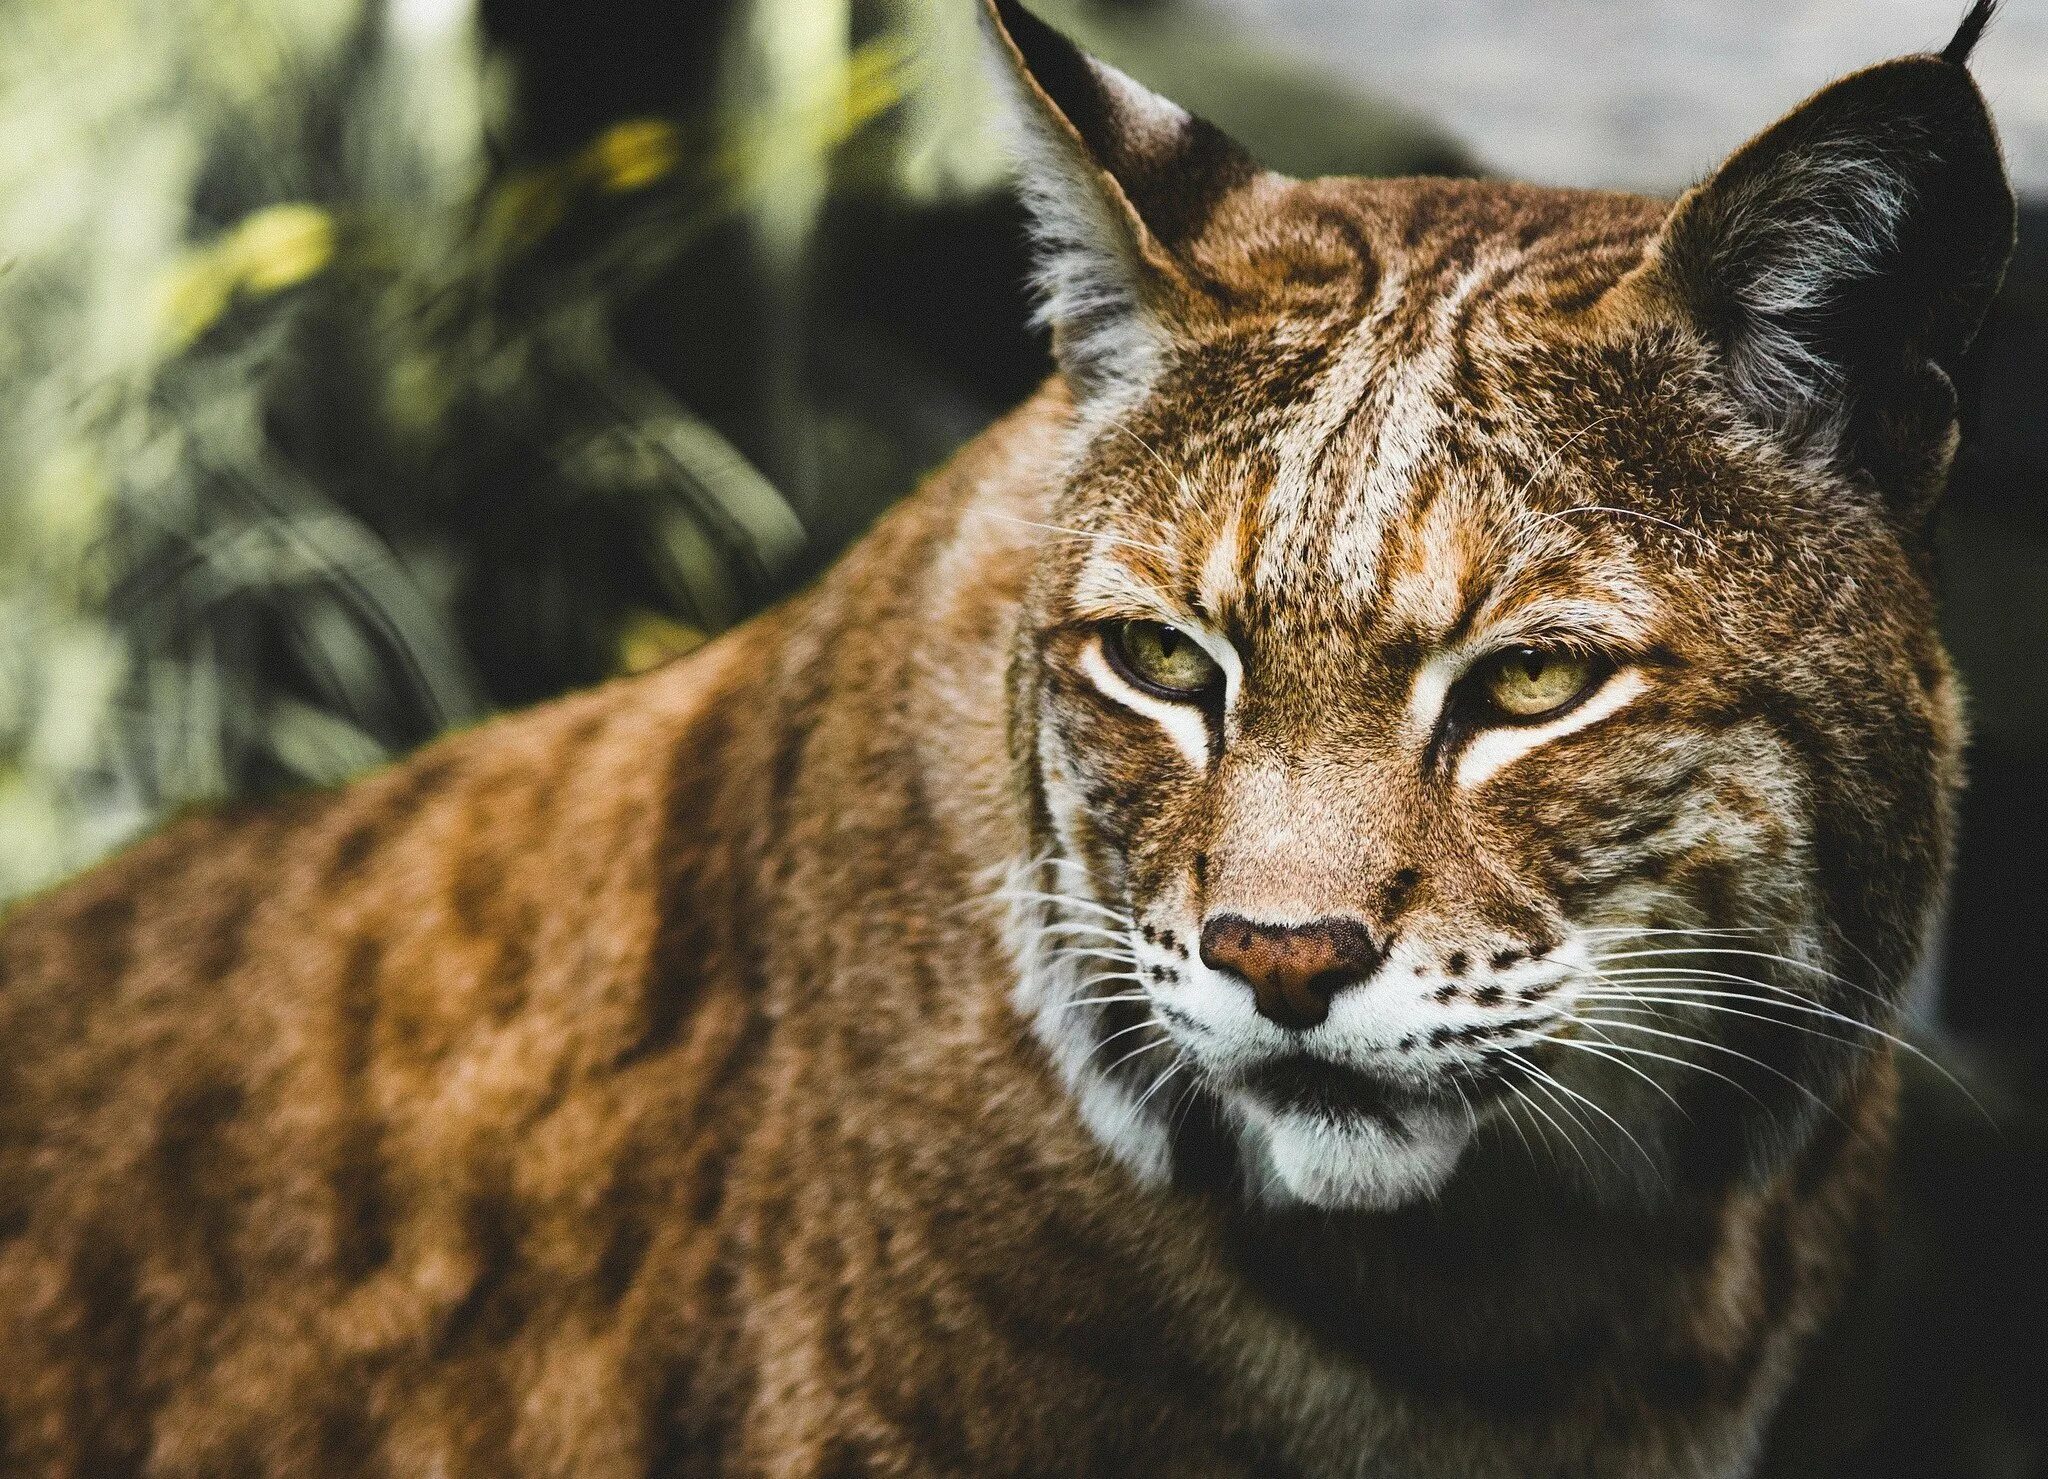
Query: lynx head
(1484, 688)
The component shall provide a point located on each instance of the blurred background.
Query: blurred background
(373, 365)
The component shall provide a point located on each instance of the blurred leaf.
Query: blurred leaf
(315, 744)
(651, 639)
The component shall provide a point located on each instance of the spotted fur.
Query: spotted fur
(825, 1056)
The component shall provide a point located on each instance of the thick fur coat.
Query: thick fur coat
(1115, 979)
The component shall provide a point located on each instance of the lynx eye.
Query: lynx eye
(1161, 659)
(1525, 683)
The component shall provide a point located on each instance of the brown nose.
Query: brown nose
(1294, 970)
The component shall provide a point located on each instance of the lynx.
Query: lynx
(1329, 898)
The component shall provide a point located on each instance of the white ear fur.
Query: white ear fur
(1089, 268)
(1841, 262)
(1825, 222)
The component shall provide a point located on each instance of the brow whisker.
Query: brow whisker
(1631, 513)
(1157, 549)
(1561, 448)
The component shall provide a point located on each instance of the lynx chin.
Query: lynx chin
(1327, 899)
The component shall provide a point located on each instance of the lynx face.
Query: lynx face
(1480, 680)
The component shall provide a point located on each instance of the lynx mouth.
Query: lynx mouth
(1301, 1083)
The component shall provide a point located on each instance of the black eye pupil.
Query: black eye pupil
(1532, 665)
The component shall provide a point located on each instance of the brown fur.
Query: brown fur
(638, 1084)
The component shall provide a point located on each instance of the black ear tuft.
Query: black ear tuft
(1842, 261)
(1960, 45)
(1118, 181)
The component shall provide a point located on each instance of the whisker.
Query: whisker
(1667, 988)
(1633, 513)
(1053, 860)
(1157, 549)
(1715, 1047)
(1639, 1073)
(1680, 973)
(1548, 1087)
(1664, 981)
(1633, 1051)
(1640, 929)
(1082, 927)
(1122, 429)
(1067, 952)
(1070, 901)
(1180, 1061)
(1136, 1052)
(1611, 937)
(1124, 1032)
(1096, 1001)
(1560, 449)
(1681, 950)
(1878, 998)
(1591, 1104)
(1471, 1114)
(1516, 1090)
(1530, 1150)
(1649, 1003)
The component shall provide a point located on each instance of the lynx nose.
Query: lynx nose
(1294, 970)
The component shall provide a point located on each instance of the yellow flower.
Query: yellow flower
(651, 639)
(281, 246)
(526, 207)
(276, 248)
(633, 155)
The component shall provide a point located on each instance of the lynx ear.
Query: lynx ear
(1842, 261)
(1117, 181)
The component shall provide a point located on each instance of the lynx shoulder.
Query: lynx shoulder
(1327, 899)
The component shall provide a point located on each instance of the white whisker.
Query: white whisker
(1122, 1032)
(1096, 1001)
(1639, 1073)
(1548, 1087)
(1082, 927)
(1068, 952)
(1666, 987)
(1516, 1090)
(1180, 1061)
(1632, 513)
(1158, 549)
(1715, 1047)
(1136, 1052)
(1633, 1051)
(1560, 449)
(1066, 900)
(1590, 1103)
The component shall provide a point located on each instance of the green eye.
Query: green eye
(1532, 682)
(1160, 659)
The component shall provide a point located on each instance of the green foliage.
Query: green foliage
(323, 432)
(319, 440)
